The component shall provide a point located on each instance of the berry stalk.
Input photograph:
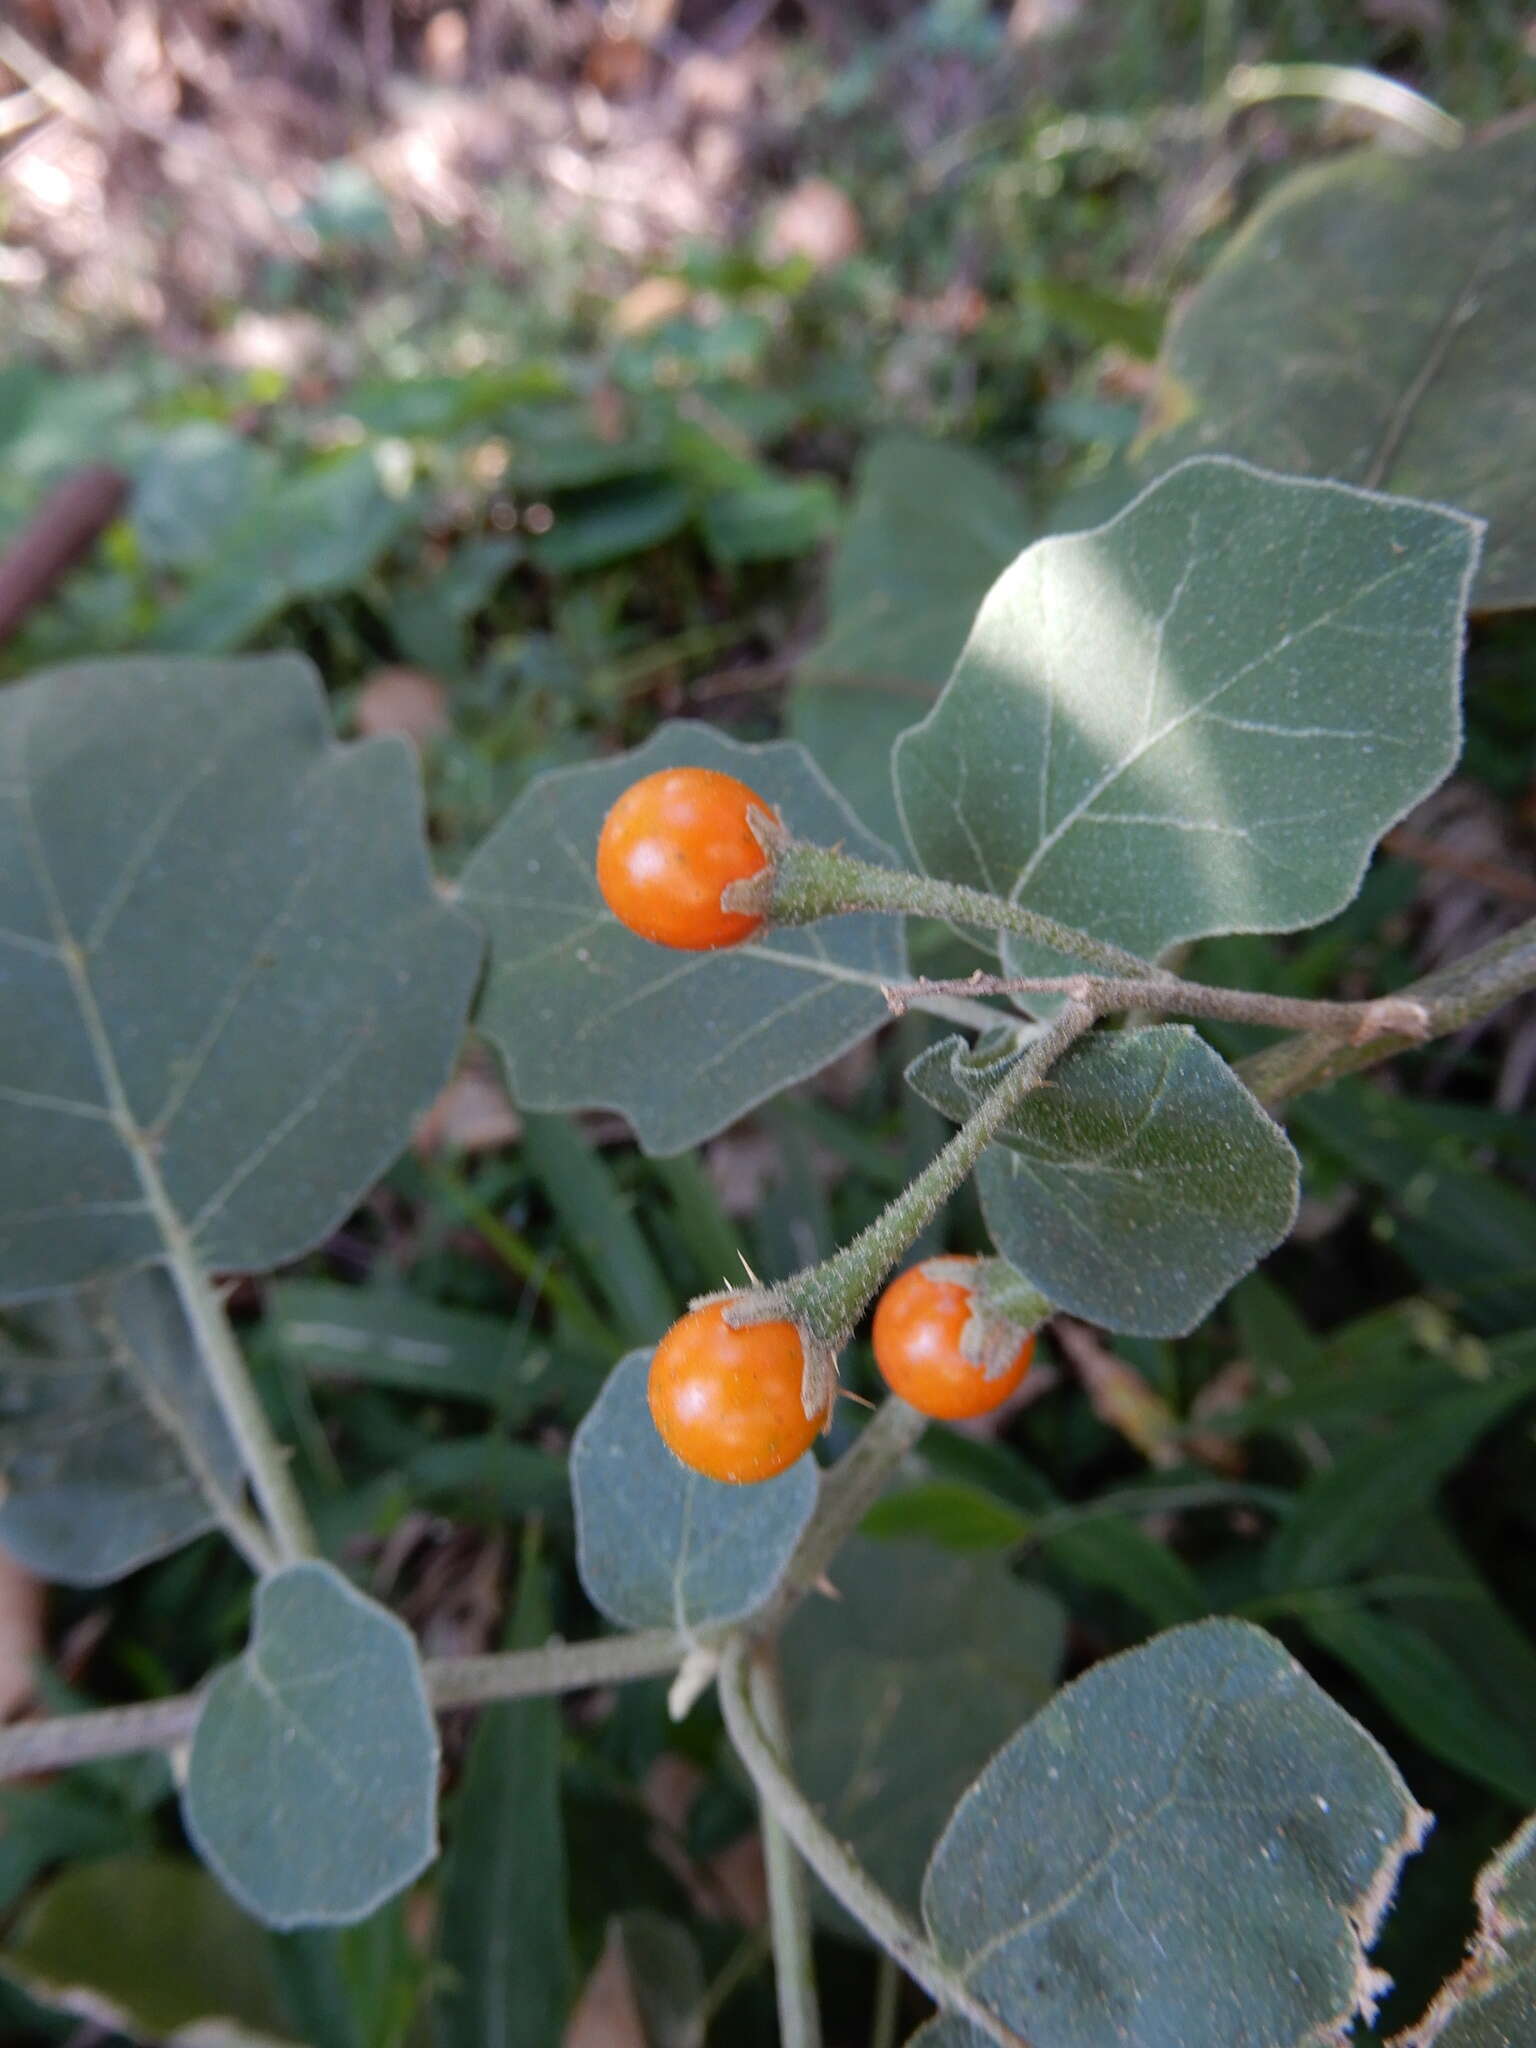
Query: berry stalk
(827, 1300)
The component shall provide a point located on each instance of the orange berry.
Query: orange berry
(919, 1323)
(727, 1402)
(670, 847)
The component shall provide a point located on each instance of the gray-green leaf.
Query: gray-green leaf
(1189, 1847)
(1135, 1189)
(113, 1450)
(312, 1788)
(226, 983)
(899, 1690)
(1373, 322)
(660, 1546)
(586, 1015)
(1200, 717)
(930, 529)
(1491, 2001)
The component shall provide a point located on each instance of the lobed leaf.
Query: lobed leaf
(929, 530)
(112, 1446)
(1200, 717)
(1491, 2002)
(660, 1546)
(226, 983)
(1137, 1187)
(1372, 323)
(587, 1015)
(312, 1787)
(899, 1689)
(1191, 1846)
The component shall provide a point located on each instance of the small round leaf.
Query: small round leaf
(659, 1546)
(312, 1789)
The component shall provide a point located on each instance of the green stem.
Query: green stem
(828, 1299)
(244, 1530)
(887, 2014)
(265, 1460)
(789, 1905)
(844, 1877)
(811, 882)
(1249, 85)
(557, 1667)
(1168, 995)
(451, 1682)
(848, 1491)
(1452, 997)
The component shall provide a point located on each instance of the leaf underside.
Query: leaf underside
(110, 1437)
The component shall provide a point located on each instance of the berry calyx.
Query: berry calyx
(727, 1401)
(671, 847)
(934, 1341)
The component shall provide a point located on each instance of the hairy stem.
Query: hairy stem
(1452, 998)
(556, 1667)
(451, 1682)
(848, 1492)
(811, 882)
(1168, 995)
(829, 1299)
(789, 1904)
(849, 1883)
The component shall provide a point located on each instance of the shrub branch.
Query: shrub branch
(789, 1905)
(66, 1739)
(805, 883)
(847, 1880)
(827, 1300)
(1453, 997)
(1171, 996)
